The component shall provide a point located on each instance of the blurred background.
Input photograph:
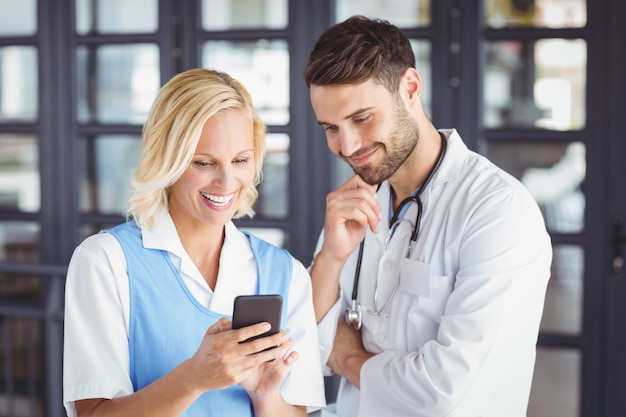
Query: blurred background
(535, 85)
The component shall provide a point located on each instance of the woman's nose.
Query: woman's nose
(225, 175)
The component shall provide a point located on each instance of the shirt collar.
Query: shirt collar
(164, 236)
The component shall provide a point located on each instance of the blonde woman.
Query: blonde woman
(149, 302)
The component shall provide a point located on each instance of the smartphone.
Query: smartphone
(252, 309)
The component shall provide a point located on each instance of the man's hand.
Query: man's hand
(348, 355)
(350, 209)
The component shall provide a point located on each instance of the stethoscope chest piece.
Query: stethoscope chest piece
(353, 315)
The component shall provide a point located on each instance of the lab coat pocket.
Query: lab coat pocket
(415, 277)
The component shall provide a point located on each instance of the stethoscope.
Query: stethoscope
(353, 313)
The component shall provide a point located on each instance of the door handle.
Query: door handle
(619, 240)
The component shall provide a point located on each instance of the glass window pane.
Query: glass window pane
(88, 229)
(262, 67)
(19, 242)
(124, 95)
(116, 16)
(22, 366)
(273, 201)
(238, 14)
(562, 312)
(18, 18)
(19, 173)
(540, 13)
(402, 13)
(19, 286)
(535, 84)
(105, 165)
(554, 174)
(18, 83)
(556, 384)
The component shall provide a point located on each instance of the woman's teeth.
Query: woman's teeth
(218, 200)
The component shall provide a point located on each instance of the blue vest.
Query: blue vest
(167, 323)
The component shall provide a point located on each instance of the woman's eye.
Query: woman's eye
(330, 128)
(241, 160)
(202, 164)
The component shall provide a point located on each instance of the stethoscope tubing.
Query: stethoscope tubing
(353, 313)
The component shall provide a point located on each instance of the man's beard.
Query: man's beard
(401, 142)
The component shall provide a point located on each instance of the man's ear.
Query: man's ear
(411, 83)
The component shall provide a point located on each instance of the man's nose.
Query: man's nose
(350, 142)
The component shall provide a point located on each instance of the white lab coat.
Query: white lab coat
(459, 338)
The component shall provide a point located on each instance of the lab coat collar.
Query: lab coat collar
(450, 168)
(453, 161)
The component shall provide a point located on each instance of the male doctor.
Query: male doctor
(439, 314)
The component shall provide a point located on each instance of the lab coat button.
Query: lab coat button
(388, 265)
(381, 337)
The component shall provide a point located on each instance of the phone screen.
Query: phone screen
(252, 309)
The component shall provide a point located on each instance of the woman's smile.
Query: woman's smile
(218, 201)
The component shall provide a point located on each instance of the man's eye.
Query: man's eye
(330, 128)
(362, 119)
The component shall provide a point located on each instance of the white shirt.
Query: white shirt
(96, 356)
(459, 337)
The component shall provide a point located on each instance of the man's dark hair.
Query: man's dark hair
(358, 49)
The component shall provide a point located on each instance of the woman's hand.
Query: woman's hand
(222, 361)
(265, 380)
(219, 362)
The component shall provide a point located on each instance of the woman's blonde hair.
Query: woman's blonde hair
(171, 134)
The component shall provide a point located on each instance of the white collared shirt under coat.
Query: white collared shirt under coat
(459, 338)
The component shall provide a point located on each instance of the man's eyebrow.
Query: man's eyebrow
(354, 113)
